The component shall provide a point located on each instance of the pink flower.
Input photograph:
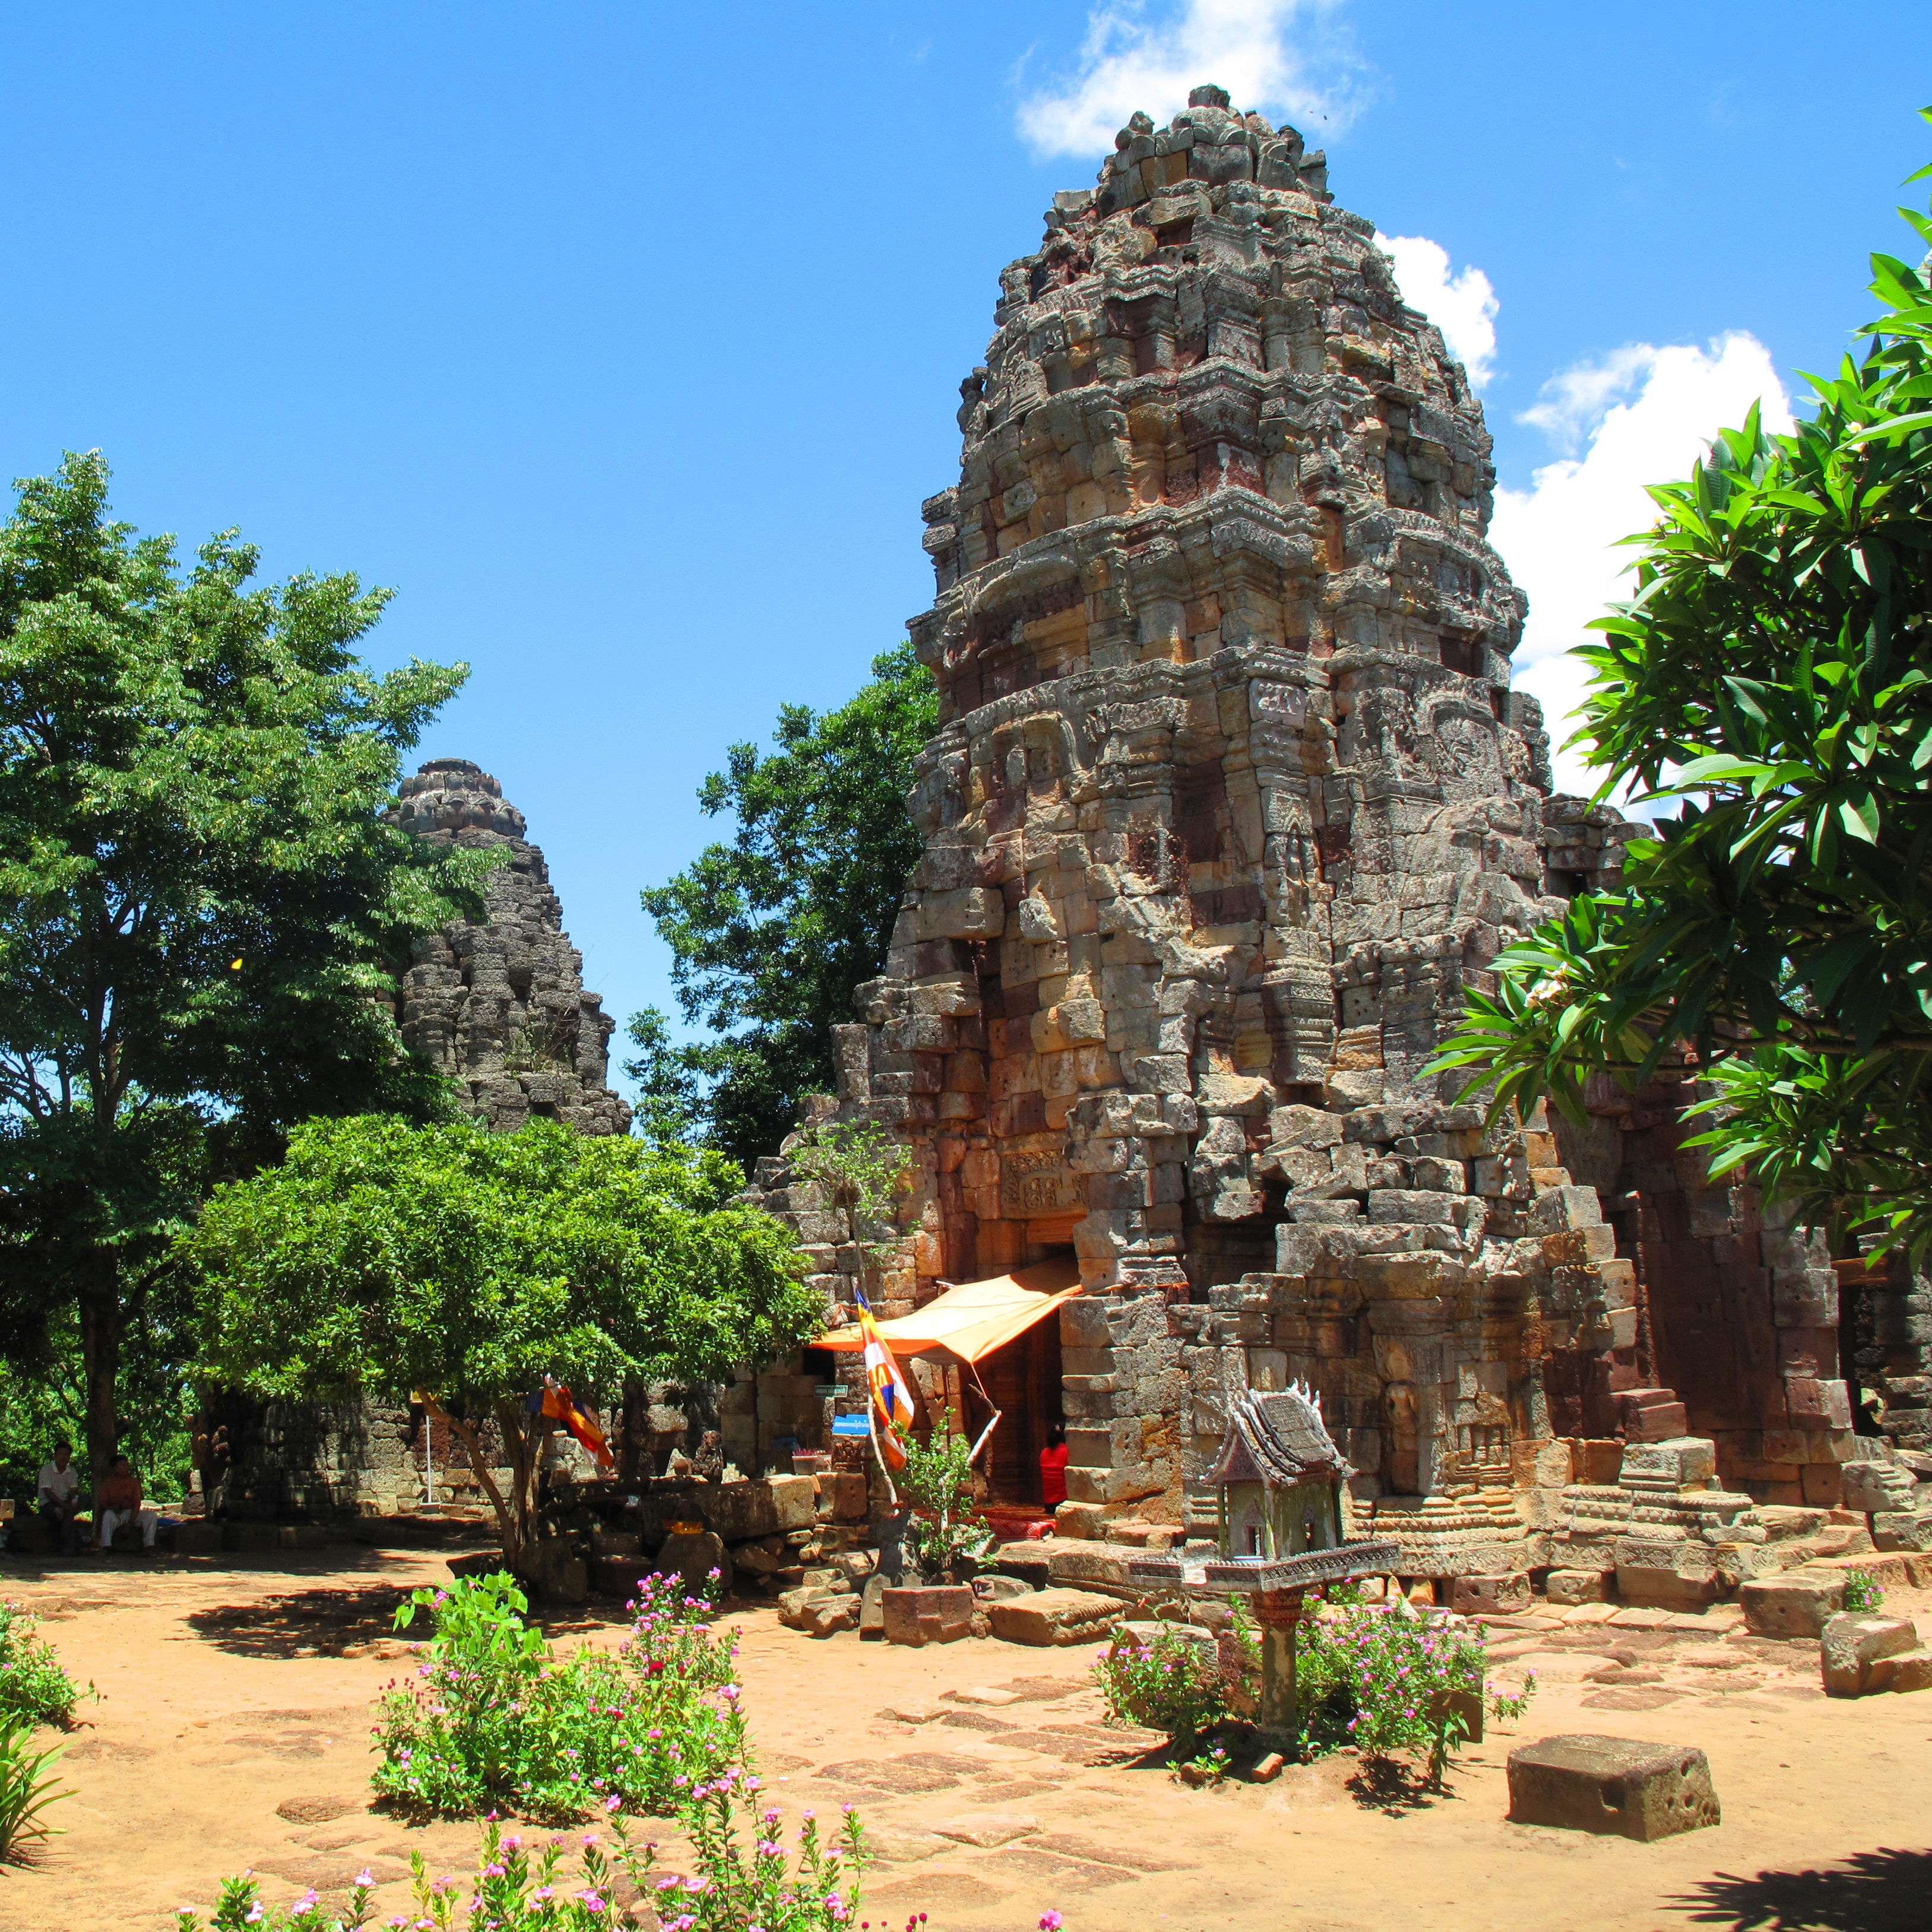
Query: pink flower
(1051, 1922)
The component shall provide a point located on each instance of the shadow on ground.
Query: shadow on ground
(1873, 1892)
(1389, 1785)
(306, 1623)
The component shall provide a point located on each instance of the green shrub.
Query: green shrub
(33, 1685)
(494, 1720)
(1862, 1590)
(27, 1787)
(1172, 1683)
(944, 1525)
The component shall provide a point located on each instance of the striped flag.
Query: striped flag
(555, 1400)
(889, 1393)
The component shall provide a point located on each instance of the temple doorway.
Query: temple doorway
(1020, 1379)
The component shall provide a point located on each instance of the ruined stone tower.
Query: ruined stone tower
(1231, 802)
(500, 1007)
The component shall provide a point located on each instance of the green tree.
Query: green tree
(200, 905)
(771, 935)
(1772, 680)
(387, 1257)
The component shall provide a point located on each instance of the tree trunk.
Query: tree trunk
(103, 1328)
(523, 1445)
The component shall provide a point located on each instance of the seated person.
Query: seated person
(59, 1491)
(118, 1500)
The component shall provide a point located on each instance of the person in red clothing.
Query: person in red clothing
(117, 1499)
(1053, 1468)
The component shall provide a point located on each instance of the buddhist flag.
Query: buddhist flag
(889, 1390)
(555, 1400)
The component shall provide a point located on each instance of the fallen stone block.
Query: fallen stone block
(1051, 1617)
(1892, 1566)
(1101, 1566)
(1267, 1768)
(1503, 1595)
(872, 1610)
(1680, 1460)
(997, 1587)
(928, 1613)
(794, 1500)
(692, 1558)
(736, 1511)
(829, 1616)
(1673, 1576)
(1909, 1670)
(1799, 1603)
(1903, 1529)
(1031, 1563)
(1877, 1487)
(792, 1604)
(1621, 1787)
(841, 1495)
(1577, 1586)
(1086, 1521)
(1853, 1645)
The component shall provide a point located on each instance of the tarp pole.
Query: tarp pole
(872, 1431)
(984, 1433)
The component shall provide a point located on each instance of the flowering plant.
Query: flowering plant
(1388, 1681)
(493, 1719)
(1172, 1683)
(746, 1881)
(748, 1878)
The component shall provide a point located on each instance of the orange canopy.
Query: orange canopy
(973, 1319)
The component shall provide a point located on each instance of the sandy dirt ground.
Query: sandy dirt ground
(232, 1732)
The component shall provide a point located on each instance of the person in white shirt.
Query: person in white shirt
(60, 1497)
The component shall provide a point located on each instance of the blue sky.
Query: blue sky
(623, 340)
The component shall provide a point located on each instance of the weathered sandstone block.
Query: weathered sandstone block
(1054, 1617)
(1618, 1786)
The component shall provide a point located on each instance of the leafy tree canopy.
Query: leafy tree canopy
(1772, 680)
(199, 902)
(772, 934)
(389, 1257)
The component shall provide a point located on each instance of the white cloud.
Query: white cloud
(1641, 414)
(1463, 306)
(1135, 57)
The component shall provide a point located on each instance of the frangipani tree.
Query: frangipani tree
(1771, 683)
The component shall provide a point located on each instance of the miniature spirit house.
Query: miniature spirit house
(1278, 1478)
(1277, 1484)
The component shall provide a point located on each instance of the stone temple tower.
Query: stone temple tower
(1231, 802)
(500, 1007)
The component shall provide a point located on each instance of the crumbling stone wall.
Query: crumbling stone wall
(499, 1005)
